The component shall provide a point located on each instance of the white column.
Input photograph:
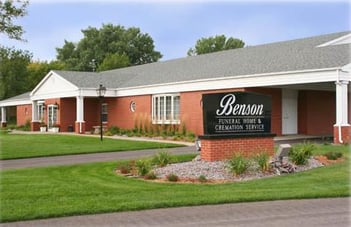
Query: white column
(3, 115)
(80, 111)
(341, 103)
(35, 111)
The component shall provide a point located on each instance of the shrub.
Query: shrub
(143, 167)
(113, 130)
(172, 177)
(299, 154)
(150, 176)
(333, 155)
(124, 168)
(202, 178)
(238, 164)
(262, 160)
(162, 159)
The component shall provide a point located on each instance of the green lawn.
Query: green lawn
(95, 188)
(15, 146)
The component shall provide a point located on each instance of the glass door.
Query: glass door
(52, 115)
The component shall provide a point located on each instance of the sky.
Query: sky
(176, 25)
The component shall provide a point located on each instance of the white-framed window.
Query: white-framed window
(166, 109)
(40, 109)
(104, 112)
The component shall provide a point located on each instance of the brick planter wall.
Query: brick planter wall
(215, 148)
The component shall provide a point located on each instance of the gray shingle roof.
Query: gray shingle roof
(18, 98)
(295, 55)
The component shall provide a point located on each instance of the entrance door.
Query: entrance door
(52, 115)
(289, 111)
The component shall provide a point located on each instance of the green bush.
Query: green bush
(238, 164)
(299, 154)
(333, 155)
(262, 160)
(113, 130)
(162, 159)
(202, 178)
(150, 176)
(172, 177)
(143, 167)
(124, 168)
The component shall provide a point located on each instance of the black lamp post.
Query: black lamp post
(100, 91)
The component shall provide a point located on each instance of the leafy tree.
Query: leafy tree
(214, 44)
(36, 71)
(10, 10)
(111, 42)
(13, 71)
(113, 61)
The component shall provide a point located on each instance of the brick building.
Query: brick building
(308, 80)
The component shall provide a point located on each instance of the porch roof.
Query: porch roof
(21, 99)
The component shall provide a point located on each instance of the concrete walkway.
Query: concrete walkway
(303, 213)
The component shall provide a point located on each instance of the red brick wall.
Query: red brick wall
(24, 114)
(316, 112)
(276, 119)
(91, 113)
(220, 149)
(68, 113)
(119, 113)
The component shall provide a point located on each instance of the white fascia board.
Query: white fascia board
(54, 86)
(54, 95)
(91, 92)
(41, 82)
(258, 80)
(15, 103)
(341, 40)
(346, 68)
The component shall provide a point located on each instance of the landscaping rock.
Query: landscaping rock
(218, 172)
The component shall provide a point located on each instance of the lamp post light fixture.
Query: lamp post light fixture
(100, 91)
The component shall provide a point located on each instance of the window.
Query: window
(165, 109)
(41, 107)
(104, 112)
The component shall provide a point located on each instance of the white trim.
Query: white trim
(3, 115)
(67, 88)
(341, 40)
(15, 102)
(215, 83)
(256, 80)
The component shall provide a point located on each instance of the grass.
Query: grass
(14, 146)
(95, 188)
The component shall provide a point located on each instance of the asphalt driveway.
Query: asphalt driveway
(86, 158)
(303, 213)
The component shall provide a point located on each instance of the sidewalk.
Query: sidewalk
(159, 140)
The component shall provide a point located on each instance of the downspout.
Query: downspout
(340, 135)
(339, 123)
